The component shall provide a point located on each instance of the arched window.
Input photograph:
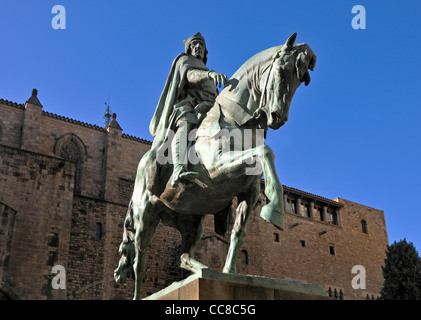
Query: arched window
(70, 151)
(71, 148)
(244, 257)
(98, 231)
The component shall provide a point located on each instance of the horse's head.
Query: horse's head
(288, 70)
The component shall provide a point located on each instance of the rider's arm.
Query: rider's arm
(196, 76)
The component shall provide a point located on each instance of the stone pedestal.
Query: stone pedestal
(212, 285)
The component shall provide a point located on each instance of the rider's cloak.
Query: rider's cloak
(173, 93)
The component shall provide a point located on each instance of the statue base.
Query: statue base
(208, 284)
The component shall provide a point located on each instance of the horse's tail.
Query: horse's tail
(127, 249)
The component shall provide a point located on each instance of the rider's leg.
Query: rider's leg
(180, 154)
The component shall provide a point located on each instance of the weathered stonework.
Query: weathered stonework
(64, 190)
(40, 189)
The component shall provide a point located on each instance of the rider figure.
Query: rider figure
(189, 93)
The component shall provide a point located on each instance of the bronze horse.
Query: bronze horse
(257, 97)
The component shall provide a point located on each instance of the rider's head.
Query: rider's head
(196, 46)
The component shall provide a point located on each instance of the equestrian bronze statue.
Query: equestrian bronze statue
(209, 148)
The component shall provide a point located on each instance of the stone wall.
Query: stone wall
(64, 191)
(40, 189)
(62, 177)
(7, 221)
(11, 123)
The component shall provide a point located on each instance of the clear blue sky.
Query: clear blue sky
(353, 133)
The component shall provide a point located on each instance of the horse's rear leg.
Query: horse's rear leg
(245, 206)
(147, 222)
(191, 229)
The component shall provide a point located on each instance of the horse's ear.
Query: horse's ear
(290, 41)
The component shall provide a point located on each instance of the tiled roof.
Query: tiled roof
(80, 123)
(12, 104)
(310, 195)
(127, 136)
(307, 194)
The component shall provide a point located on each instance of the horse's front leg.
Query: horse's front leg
(273, 212)
(254, 162)
(244, 208)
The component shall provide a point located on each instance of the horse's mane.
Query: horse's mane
(244, 88)
(259, 62)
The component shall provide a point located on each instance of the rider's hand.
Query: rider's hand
(218, 78)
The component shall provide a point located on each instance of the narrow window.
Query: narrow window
(322, 218)
(332, 250)
(332, 216)
(288, 205)
(303, 243)
(307, 211)
(318, 212)
(244, 257)
(230, 216)
(276, 237)
(98, 231)
(293, 209)
(329, 216)
(364, 226)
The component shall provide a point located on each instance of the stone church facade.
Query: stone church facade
(64, 190)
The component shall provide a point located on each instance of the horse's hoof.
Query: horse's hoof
(273, 216)
(229, 271)
(190, 264)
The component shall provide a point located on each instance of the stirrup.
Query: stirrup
(189, 175)
(185, 178)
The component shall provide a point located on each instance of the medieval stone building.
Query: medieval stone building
(64, 190)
